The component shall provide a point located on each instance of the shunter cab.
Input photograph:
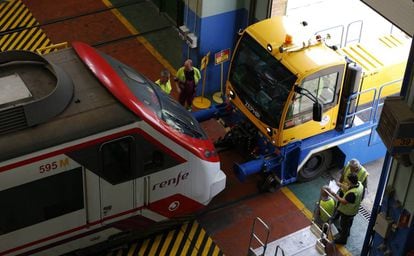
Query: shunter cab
(295, 89)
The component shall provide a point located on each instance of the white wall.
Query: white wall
(213, 7)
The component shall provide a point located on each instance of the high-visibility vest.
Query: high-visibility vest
(165, 87)
(362, 174)
(351, 209)
(328, 207)
(181, 75)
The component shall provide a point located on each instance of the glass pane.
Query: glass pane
(41, 200)
(260, 80)
(117, 160)
(328, 85)
(300, 108)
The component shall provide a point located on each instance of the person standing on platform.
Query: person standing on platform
(187, 79)
(325, 208)
(164, 81)
(348, 207)
(353, 166)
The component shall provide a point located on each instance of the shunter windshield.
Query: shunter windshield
(157, 101)
(260, 80)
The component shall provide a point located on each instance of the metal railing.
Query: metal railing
(358, 39)
(253, 235)
(373, 107)
(343, 42)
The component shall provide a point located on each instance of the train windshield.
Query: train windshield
(260, 80)
(156, 100)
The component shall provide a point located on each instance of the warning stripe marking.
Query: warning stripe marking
(190, 239)
(14, 15)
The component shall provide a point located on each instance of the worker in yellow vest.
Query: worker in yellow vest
(187, 78)
(348, 207)
(325, 208)
(353, 166)
(164, 81)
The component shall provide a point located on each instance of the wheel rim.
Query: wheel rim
(313, 164)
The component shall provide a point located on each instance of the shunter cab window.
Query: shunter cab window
(41, 200)
(300, 109)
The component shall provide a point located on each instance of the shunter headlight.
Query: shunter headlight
(232, 95)
(269, 131)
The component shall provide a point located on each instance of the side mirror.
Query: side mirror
(317, 112)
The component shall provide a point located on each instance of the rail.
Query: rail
(361, 22)
(277, 251)
(343, 42)
(333, 28)
(374, 105)
(380, 104)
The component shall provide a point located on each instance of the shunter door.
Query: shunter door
(117, 180)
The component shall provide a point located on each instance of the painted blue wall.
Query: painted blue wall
(220, 32)
(215, 33)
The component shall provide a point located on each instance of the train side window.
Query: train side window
(154, 158)
(116, 158)
(41, 200)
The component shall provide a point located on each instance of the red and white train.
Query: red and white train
(90, 148)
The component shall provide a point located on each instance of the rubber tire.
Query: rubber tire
(315, 166)
(268, 184)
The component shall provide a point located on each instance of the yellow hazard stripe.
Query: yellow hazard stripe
(14, 17)
(189, 239)
(167, 243)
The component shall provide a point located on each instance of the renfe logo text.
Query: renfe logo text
(171, 182)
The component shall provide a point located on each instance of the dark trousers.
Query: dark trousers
(187, 93)
(345, 222)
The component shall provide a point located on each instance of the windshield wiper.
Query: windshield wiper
(183, 124)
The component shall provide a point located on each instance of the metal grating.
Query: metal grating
(365, 213)
(12, 119)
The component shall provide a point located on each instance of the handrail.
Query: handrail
(331, 28)
(353, 97)
(277, 250)
(379, 95)
(360, 32)
(375, 104)
(253, 235)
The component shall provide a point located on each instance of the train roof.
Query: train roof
(56, 99)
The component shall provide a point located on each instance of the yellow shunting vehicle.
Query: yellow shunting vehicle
(300, 105)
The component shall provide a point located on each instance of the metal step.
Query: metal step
(301, 243)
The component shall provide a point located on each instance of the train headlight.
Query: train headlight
(208, 153)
